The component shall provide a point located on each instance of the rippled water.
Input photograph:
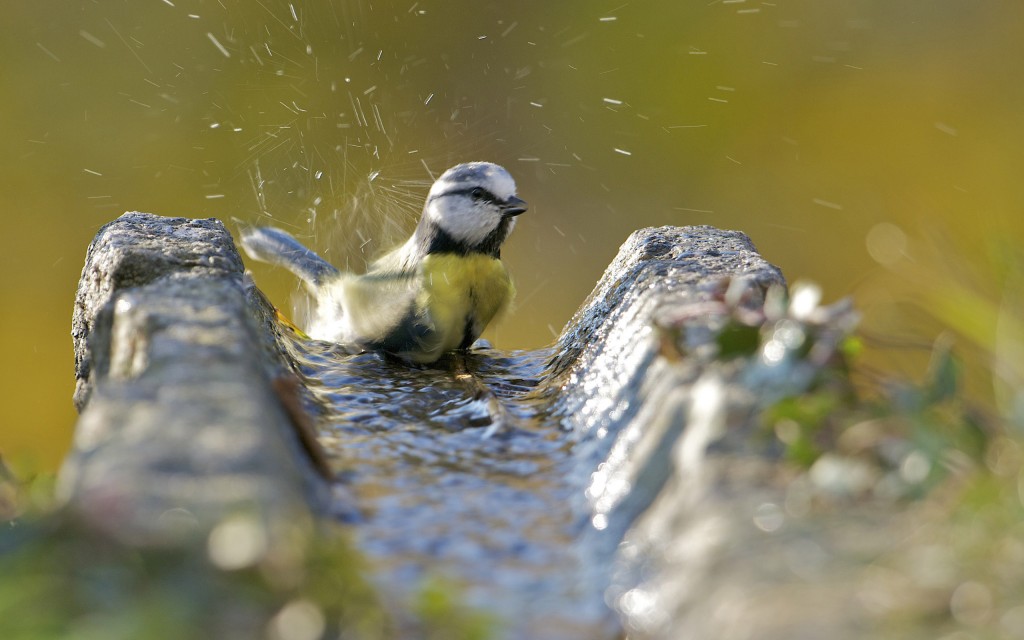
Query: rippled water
(443, 492)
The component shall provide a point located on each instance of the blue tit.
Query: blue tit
(434, 294)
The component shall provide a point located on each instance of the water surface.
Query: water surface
(441, 492)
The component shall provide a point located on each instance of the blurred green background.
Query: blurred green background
(873, 146)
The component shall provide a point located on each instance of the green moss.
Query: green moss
(445, 618)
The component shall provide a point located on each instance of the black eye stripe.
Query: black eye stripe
(484, 194)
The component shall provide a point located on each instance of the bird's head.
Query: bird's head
(472, 206)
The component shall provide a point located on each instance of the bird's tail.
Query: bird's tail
(269, 244)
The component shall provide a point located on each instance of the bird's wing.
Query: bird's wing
(382, 311)
(269, 244)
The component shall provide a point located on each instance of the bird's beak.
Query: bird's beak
(513, 207)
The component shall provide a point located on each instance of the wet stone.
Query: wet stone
(174, 359)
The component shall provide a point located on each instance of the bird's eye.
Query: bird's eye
(477, 193)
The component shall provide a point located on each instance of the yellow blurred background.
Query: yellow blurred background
(855, 142)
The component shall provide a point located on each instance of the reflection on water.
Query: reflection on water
(441, 494)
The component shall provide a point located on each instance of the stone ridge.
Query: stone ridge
(178, 385)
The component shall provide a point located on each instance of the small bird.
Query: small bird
(434, 294)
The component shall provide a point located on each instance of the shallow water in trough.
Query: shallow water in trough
(441, 494)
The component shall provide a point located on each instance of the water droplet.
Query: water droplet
(768, 517)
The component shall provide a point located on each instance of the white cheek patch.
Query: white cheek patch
(463, 219)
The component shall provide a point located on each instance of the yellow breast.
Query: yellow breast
(462, 295)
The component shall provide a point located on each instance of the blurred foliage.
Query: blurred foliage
(63, 576)
(948, 465)
(445, 617)
(802, 361)
(914, 435)
(959, 565)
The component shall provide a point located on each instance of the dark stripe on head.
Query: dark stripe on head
(477, 193)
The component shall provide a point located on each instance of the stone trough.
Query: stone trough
(195, 403)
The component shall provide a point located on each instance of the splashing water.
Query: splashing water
(439, 496)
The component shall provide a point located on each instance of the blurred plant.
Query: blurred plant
(891, 439)
(905, 437)
(952, 459)
(444, 617)
(62, 576)
(959, 564)
(982, 302)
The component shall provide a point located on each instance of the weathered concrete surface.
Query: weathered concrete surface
(176, 363)
(610, 380)
(628, 402)
(694, 526)
(612, 338)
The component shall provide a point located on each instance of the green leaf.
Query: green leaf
(943, 372)
(738, 340)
